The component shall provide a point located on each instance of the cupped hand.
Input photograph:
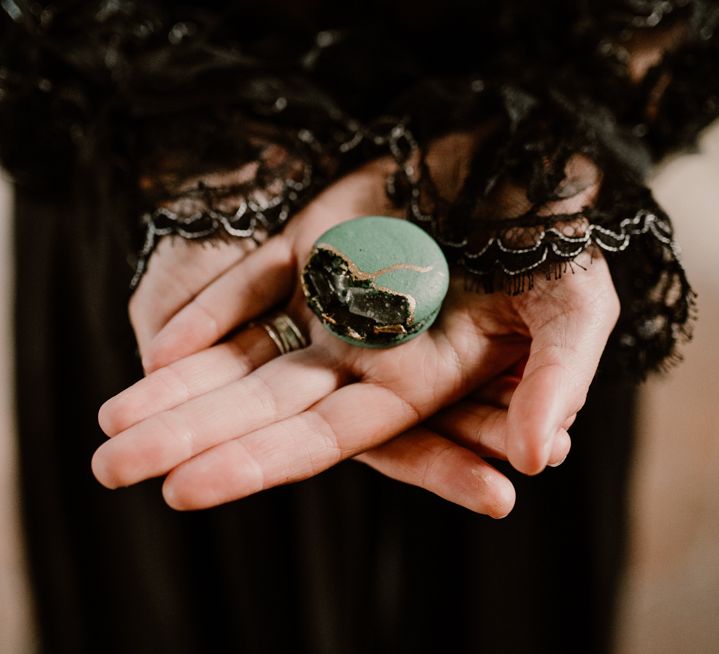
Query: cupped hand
(223, 421)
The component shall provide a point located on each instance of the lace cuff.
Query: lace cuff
(252, 177)
(546, 180)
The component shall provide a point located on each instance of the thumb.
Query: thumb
(563, 359)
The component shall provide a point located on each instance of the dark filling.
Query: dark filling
(353, 307)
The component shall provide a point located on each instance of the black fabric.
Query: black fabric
(347, 562)
(110, 111)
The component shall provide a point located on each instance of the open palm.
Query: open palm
(223, 422)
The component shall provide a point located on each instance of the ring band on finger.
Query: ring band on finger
(284, 332)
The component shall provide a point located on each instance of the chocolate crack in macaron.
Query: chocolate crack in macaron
(376, 281)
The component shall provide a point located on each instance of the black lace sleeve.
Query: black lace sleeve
(227, 118)
(245, 176)
(243, 180)
(504, 223)
(654, 62)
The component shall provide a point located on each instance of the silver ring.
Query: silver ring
(284, 332)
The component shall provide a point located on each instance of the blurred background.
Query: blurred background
(670, 600)
(671, 589)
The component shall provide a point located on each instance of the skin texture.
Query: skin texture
(222, 417)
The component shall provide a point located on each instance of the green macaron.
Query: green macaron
(376, 281)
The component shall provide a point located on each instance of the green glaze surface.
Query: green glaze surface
(390, 259)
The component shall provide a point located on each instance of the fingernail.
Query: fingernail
(561, 446)
(169, 494)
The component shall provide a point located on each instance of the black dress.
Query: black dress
(91, 96)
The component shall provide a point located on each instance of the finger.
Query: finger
(498, 392)
(560, 448)
(483, 429)
(283, 387)
(177, 271)
(187, 378)
(251, 287)
(340, 426)
(423, 458)
(569, 421)
(479, 427)
(562, 362)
